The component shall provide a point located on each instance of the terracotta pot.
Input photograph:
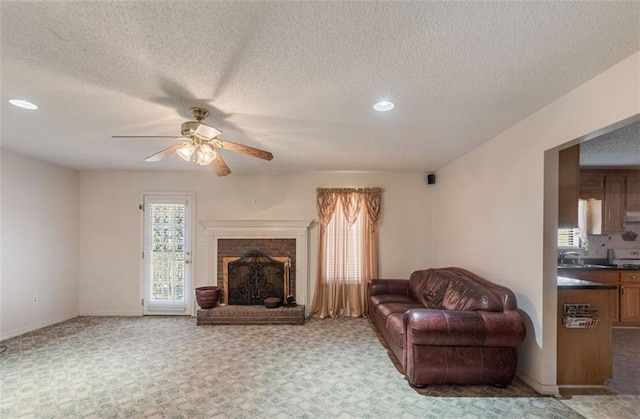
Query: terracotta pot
(207, 297)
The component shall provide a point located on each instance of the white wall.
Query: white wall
(39, 244)
(496, 207)
(110, 224)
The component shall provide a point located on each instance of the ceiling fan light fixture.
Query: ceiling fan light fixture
(199, 143)
(186, 151)
(206, 154)
(384, 106)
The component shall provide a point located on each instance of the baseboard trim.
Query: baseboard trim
(546, 389)
(39, 325)
(111, 314)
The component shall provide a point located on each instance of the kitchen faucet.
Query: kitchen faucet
(567, 253)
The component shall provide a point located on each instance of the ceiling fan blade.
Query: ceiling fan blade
(220, 166)
(228, 145)
(207, 132)
(164, 153)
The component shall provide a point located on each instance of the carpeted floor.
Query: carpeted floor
(167, 367)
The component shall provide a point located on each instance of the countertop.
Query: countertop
(596, 268)
(570, 283)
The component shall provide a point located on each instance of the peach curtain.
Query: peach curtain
(347, 251)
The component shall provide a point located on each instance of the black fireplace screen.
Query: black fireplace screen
(256, 276)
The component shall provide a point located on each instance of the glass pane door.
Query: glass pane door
(167, 255)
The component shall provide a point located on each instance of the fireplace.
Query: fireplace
(263, 235)
(254, 277)
(230, 250)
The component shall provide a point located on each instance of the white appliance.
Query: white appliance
(625, 258)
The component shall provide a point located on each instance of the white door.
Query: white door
(167, 254)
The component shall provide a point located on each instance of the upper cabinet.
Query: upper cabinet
(568, 181)
(633, 193)
(619, 191)
(614, 199)
(591, 185)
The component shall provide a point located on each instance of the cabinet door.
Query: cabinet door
(568, 182)
(630, 302)
(591, 185)
(613, 214)
(633, 193)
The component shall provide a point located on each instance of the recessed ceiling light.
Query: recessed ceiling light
(20, 103)
(384, 106)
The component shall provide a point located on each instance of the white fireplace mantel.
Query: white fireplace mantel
(263, 229)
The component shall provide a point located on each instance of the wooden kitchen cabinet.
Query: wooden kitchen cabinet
(591, 185)
(614, 204)
(619, 189)
(602, 276)
(633, 193)
(630, 303)
(630, 297)
(626, 311)
(584, 355)
(568, 186)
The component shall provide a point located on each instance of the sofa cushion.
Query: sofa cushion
(444, 289)
(395, 326)
(429, 293)
(462, 294)
(391, 298)
(387, 309)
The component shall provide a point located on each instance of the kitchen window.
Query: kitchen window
(576, 238)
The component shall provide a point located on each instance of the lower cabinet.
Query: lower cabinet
(627, 307)
(629, 297)
(629, 303)
(596, 275)
(575, 365)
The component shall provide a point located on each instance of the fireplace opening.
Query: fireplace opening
(255, 276)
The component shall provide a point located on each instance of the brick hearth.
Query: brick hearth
(237, 314)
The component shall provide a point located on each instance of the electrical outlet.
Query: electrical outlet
(35, 299)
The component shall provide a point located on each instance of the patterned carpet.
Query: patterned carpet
(167, 367)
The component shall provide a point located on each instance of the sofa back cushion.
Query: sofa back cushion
(447, 289)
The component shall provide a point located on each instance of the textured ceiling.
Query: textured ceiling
(295, 78)
(617, 148)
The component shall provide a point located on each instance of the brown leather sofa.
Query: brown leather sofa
(448, 326)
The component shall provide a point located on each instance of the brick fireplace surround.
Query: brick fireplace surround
(221, 233)
(274, 248)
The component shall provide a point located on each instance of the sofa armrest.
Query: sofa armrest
(466, 328)
(388, 286)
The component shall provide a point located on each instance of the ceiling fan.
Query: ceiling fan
(199, 144)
